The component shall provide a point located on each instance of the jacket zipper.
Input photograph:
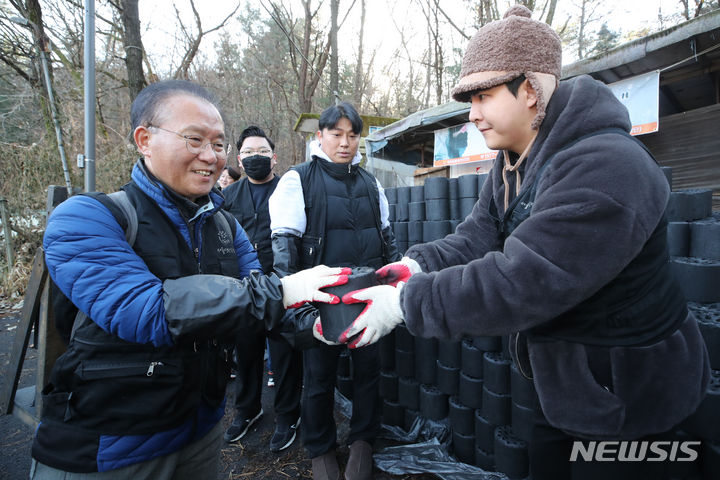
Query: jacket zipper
(137, 367)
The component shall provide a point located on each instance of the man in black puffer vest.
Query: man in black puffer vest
(329, 210)
(247, 200)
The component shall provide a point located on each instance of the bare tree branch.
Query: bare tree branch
(194, 42)
(447, 17)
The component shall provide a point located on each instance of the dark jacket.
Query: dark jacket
(335, 218)
(147, 305)
(597, 204)
(256, 223)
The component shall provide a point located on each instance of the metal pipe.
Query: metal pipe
(56, 122)
(89, 77)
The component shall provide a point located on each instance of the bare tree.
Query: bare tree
(697, 8)
(578, 30)
(485, 11)
(310, 57)
(547, 14)
(334, 54)
(450, 20)
(193, 39)
(358, 83)
(134, 51)
(28, 54)
(436, 64)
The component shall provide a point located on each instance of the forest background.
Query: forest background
(267, 61)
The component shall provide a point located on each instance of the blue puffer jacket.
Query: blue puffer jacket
(92, 263)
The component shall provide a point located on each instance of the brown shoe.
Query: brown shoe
(360, 463)
(325, 467)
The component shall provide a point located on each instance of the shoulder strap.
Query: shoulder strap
(121, 200)
(124, 212)
(119, 205)
(223, 223)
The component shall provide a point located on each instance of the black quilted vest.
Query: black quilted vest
(256, 223)
(342, 207)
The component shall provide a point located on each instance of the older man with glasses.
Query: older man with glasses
(140, 391)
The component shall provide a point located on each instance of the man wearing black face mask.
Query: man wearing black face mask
(247, 200)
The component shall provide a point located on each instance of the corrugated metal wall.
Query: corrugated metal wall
(690, 143)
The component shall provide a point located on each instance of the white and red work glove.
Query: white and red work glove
(395, 272)
(304, 286)
(318, 333)
(382, 314)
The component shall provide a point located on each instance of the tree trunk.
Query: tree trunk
(551, 12)
(42, 44)
(133, 47)
(581, 31)
(439, 59)
(358, 84)
(686, 9)
(334, 74)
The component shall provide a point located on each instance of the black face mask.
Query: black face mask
(257, 167)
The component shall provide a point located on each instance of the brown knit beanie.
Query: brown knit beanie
(503, 50)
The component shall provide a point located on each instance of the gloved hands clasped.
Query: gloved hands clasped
(382, 314)
(304, 286)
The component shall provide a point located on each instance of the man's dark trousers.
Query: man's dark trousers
(319, 431)
(287, 373)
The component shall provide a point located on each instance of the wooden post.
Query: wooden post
(8, 234)
(50, 344)
(30, 312)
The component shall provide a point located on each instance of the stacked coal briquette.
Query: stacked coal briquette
(694, 242)
(470, 384)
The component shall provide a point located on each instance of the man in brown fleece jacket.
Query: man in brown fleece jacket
(565, 251)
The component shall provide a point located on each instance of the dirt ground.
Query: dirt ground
(248, 459)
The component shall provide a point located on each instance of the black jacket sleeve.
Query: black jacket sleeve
(286, 258)
(297, 324)
(211, 306)
(392, 253)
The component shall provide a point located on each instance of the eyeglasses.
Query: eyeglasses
(195, 144)
(263, 151)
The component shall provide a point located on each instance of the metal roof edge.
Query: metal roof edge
(637, 49)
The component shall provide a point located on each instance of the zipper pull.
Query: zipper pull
(151, 368)
(349, 166)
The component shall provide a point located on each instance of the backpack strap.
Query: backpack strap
(121, 200)
(124, 212)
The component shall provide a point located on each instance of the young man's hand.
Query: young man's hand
(401, 271)
(380, 316)
(304, 286)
